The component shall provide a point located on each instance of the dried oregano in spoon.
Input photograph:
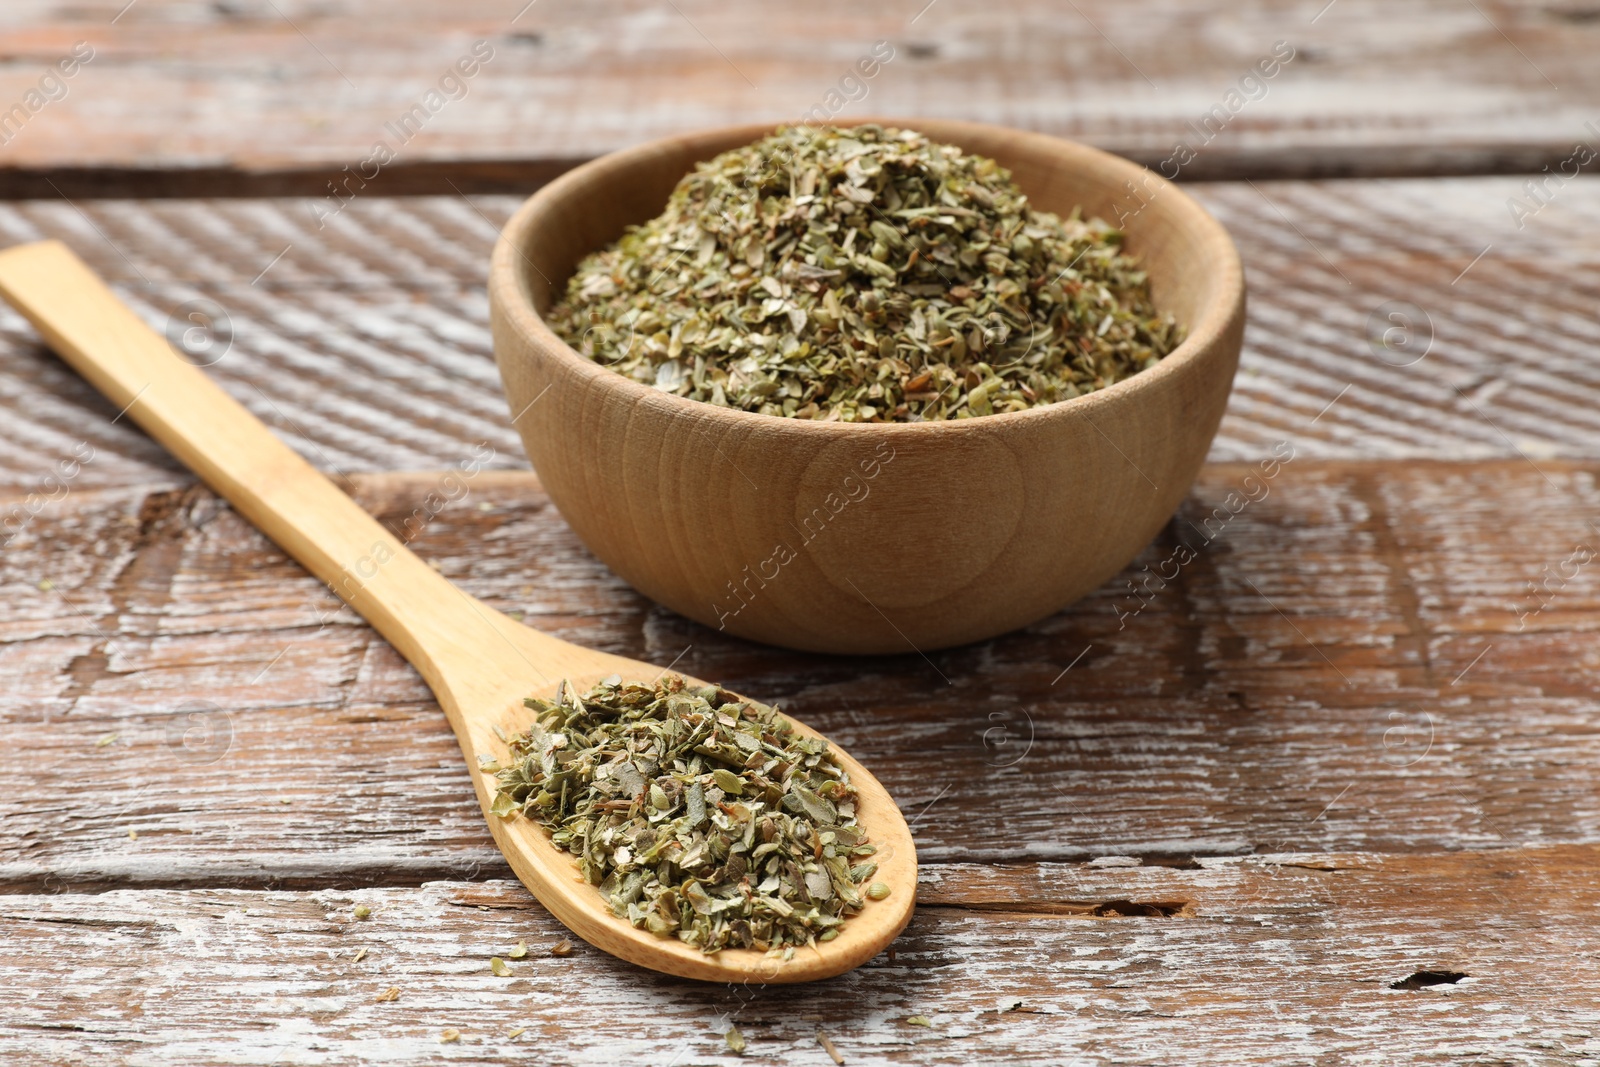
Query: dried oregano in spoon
(864, 275)
(699, 814)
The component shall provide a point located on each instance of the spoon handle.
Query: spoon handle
(414, 607)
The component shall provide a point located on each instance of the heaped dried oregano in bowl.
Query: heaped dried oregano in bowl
(698, 814)
(864, 275)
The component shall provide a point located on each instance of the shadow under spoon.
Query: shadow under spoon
(479, 663)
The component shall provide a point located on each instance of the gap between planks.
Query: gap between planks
(479, 177)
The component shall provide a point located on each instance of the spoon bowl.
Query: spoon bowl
(479, 663)
(528, 663)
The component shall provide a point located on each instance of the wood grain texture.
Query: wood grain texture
(1275, 959)
(1351, 741)
(809, 534)
(276, 98)
(479, 664)
(366, 343)
(1410, 697)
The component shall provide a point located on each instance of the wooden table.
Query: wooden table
(1327, 797)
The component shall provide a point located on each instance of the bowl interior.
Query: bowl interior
(590, 207)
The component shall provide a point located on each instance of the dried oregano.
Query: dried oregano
(864, 275)
(698, 814)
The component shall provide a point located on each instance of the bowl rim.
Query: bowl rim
(509, 289)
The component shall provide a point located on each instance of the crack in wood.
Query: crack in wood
(1391, 554)
(1424, 979)
(143, 584)
(143, 925)
(1070, 909)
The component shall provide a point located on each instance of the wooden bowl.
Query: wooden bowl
(852, 537)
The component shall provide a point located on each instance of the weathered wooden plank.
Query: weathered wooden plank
(1354, 661)
(276, 98)
(366, 342)
(1285, 959)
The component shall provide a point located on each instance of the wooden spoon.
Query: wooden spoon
(479, 663)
